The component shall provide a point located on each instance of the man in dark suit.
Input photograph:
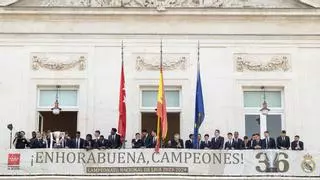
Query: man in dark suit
(78, 143)
(96, 139)
(146, 139)
(217, 141)
(114, 139)
(268, 142)
(206, 144)
(283, 141)
(176, 142)
(137, 142)
(153, 139)
(229, 145)
(189, 144)
(251, 140)
(238, 142)
(297, 145)
(246, 143)
(67, 140)
(257, 143)
(89, 143)
(103, 143)
(33, 142)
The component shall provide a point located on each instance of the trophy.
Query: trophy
(56, 135)
(272, 157)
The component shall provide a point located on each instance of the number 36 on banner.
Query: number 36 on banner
(272, 162)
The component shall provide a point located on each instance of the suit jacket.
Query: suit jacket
(45, 143)
(238, 143)
(89, 144)
(65, 143)
(271, 143)
(53, 142)
(189, 144)
(74, 143)
(147, 141)
(257, 143)
(229, 145)
(250, 144)
(116, 142)
(96, 143)
(246, 145)
(153, 142)
(103, 144)
(283, 143)
(204, 145)
(136, 143)
(35, 143)
(217, 143)
(175, 144)
(294, 144)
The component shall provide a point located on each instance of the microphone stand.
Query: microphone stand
(10, 139)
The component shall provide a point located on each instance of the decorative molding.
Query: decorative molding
(58, 62)
(162, 5)
(262, 62)
(170, 62)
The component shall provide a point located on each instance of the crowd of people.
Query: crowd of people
(148, 140)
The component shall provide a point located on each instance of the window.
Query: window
(149, 98)
(67, 98)
(255, 98)
(255, 122)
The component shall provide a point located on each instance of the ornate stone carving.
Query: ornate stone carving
(169, 63)
(53, 64)
(161, 5)
(262, 62)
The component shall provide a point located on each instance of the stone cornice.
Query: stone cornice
(170, 11)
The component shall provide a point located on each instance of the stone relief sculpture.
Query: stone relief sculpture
(262, 63)
(170, 63)
(56, 65)
(163, 4)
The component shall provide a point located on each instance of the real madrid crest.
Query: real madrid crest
(308, 165)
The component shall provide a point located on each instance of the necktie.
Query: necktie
(78, 144)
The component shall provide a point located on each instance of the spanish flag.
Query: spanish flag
(161, 109)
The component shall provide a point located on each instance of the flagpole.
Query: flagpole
(158, 120)
(197, 114)
(122, 52)
(198, 53)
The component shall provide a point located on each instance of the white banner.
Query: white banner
(168, 161)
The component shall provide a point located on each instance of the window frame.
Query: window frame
(53, 88)
(256, 110)
(155, 88)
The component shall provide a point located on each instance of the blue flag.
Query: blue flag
(199, 110)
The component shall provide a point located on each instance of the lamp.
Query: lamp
(56, 109)
(10, 127)
(264, 110)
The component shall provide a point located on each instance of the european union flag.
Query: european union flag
(199, 110)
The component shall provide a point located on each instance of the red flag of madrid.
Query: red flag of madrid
(122, 106)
